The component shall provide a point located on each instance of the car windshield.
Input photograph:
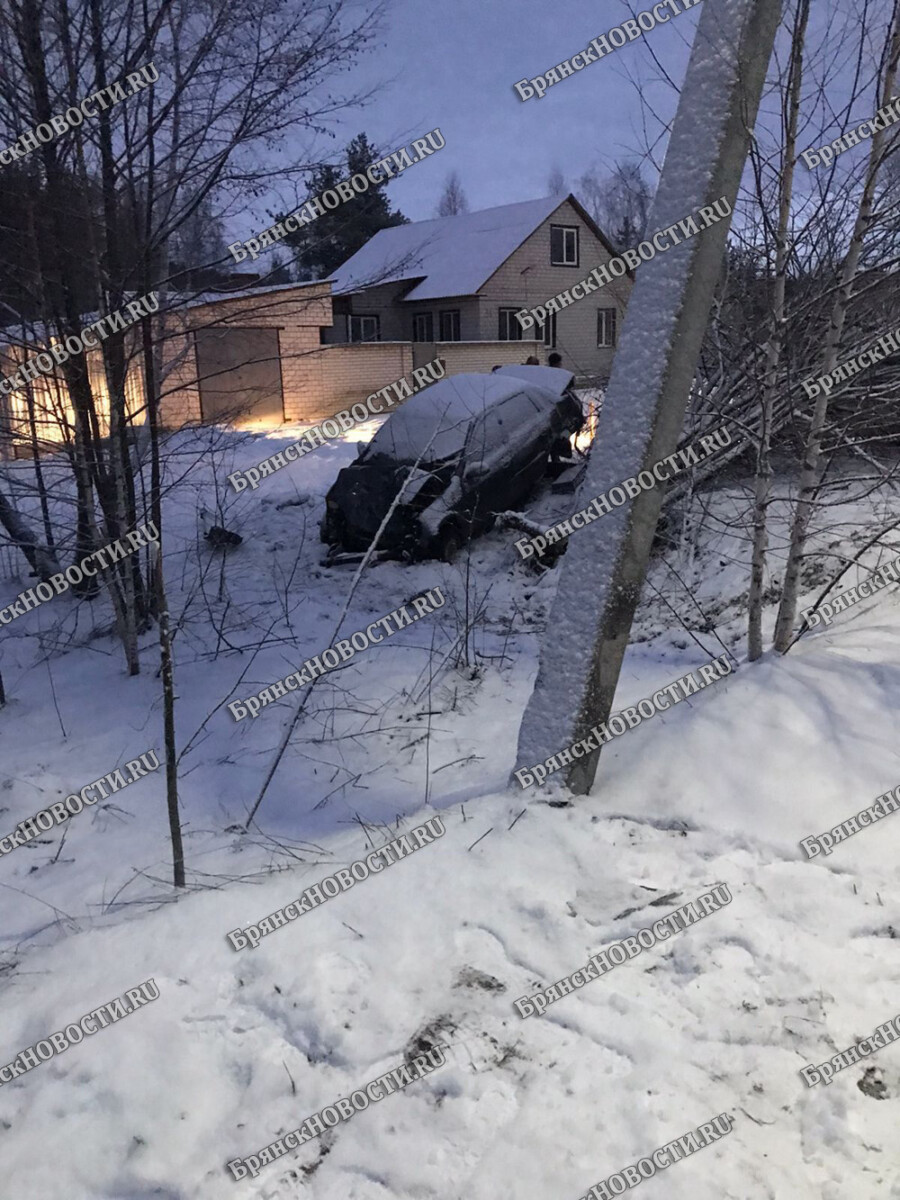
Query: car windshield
(432, 426)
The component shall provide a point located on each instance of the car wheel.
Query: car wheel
(450, 542)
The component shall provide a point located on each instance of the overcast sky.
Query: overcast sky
(453, 66)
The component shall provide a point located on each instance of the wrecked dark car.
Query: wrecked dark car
(457, 454)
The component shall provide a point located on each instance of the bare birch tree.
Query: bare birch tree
(773, 347)
(810, 474)
(229, 78)
(453, 199)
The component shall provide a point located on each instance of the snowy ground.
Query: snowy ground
(242, 1047)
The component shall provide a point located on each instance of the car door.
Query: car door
(505, 454)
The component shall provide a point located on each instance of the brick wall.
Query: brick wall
(459, 357)
(527, 278)
(297, 312)
(180, 393)
(317, 380)
(50, 407)
(352, 372)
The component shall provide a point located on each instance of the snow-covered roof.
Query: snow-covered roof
(193, 300)
(452, 256)
(37, 333)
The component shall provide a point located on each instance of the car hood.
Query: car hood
(365, 491)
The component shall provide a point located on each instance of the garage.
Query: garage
(240, 375)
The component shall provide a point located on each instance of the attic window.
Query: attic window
(564, 245)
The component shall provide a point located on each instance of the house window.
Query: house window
(564, 245)
(549, 332)
(449, 325)
(363, 329)
(423, 327)
(606, 327)
(510, 329)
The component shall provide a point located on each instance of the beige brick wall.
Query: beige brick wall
(180, 393)
(299, 304)
(352, 372)
(301, 373)
(297, 313)
(527, 278)
(317, 380)
(459, 357)
(51, 409)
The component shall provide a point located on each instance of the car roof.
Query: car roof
(433, 423)
(554, 379)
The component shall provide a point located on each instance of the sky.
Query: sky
(453, 68)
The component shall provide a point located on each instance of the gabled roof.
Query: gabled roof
(450, 256)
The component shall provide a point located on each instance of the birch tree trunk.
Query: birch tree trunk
(604, 568)
(810, 473)
(115, 363)
(775, 343)
(168, 682)
(41, 560)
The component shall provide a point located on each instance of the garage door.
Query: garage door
(240, 375)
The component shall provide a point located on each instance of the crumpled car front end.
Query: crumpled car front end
(361, 498)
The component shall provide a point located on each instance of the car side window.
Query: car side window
(499, 425)
(483, 437)
(518, 411)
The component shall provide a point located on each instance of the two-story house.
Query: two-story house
(462, 279)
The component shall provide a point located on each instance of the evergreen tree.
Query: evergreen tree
(24, 213)
(320, 247)
(279, 271)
